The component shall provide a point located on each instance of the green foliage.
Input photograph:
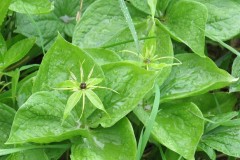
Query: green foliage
(16, 52)
(219, 24)
(116, 142)
(172, 127)
(236, 72)
(185, 21)
(61, 19)
(31, 7)
(3, 9)
(95, 93)
(224, 139)
(101, 21)
(201, 72)
(7, 115)
(127, 79)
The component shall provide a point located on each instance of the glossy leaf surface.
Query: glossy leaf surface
(224, 139)
(194, 76)
(127, 80)
(6, 118)
(186, 21)
(18, 51)
(39, 120)
(45, 27)
(212, 103)
(3, 9)
(223, 18)
(235, 87)
(116, 142)
(62, 59)
(102, 21)
(176, 126)
(31, 7)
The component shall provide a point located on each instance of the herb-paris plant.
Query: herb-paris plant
(96, 93)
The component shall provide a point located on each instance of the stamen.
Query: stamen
(147, 61)
(83, 85)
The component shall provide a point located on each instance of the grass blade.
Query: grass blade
(130, 24)
(150, 123)
(139, 154)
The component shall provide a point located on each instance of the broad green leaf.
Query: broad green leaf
(4, 4)
(219, 120)
(164, 46)
(71, 103)
(39, 120)
(103, 56)
(170, 155)
(6, 119)
(55, 153)
(141, 5)
(122, 44)
(233, 122)
(131, 82)
(29, 154)
(62, 59)
(122, 41)
(5, 97)
(14, 84)
(194, 76)
(31, 7)
(101, 21)
(212, 103)
(61, 19)
(162, 6)
(223, 18)
(3, 45)
(25, 153)
(208, 150)
(224, 139)
(22, 151)
(24, 90)
(116, 142)
(3, 49)
(185, 20)
(18, 51)
(235, 87)
(176, 126)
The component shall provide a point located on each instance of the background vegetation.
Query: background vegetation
(115, 79)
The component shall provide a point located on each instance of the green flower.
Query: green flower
(83, 89)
